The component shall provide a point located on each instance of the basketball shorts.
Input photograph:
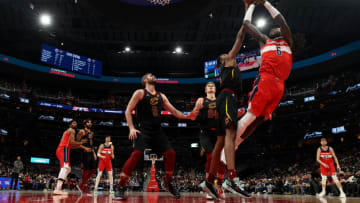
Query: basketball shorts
(208, 139)
(63, 154)
(88, 161)
(152, 139)
(328, 171)
(265, 95)
(105, 164)
(227, 106)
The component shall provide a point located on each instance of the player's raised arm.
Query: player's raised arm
(136, 97)
(335, 159)
(250, 28)
(169, 107)
(101, 147)
(280, 20)
(198, 106)
(238, 42)
(318, 159)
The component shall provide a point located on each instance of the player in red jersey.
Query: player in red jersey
(105, 154)
(63, 154)
(325, 157)
(275, 68)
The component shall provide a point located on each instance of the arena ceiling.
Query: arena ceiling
(203, 28)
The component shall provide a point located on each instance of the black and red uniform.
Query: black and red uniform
(227, 103)
(209, 124)
(148, 112)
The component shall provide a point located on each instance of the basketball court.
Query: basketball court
(138, 197)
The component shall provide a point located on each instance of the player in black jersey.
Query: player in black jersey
(88, 157)
(209, 128)
(147, 132)
(227, 106)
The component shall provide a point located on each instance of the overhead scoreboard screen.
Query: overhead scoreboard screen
(70, 61)
(245, 61)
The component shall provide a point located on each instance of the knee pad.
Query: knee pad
(323, 179)
(335, 178)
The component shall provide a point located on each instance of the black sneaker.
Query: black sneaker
(210, 190)
(173, 190)
(120, 193)
(234, 186)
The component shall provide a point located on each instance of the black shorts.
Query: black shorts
(156, 140)
(88, 161)
(208, 140)
(227, 106)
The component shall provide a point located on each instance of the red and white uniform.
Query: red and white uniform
(106, 162)
(268, 87)
(327, 158)
(63, 150)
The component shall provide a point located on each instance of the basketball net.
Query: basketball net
(160, 2)
(153, 160)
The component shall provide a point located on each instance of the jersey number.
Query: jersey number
(278, 51)
(212, 113)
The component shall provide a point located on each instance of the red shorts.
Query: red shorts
(326, 171)
(63, 154)
(266, 95)
(105, 164)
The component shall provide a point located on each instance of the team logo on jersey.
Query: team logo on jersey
(154, 101)
(212, 105)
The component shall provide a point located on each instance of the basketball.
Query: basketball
(249, 1)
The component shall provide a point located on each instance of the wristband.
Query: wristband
(272, 10)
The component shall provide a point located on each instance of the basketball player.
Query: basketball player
(105, 154)
(148, 133)
(227, 106)
(325, 157)
(63, 154)
(275, 68)
(88, 159)
(209, 132)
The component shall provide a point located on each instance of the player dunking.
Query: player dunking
(148, 103)
(209, 132)
(325, 157)
(88, 157)
(105, 154)
(227, 105)
(275, 68)
(63, 154)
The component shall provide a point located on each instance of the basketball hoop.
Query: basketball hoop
(160, 2)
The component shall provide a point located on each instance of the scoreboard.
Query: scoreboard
(70, 61)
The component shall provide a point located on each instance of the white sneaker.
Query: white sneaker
(321, 194)
(342, 195)
(208, 197)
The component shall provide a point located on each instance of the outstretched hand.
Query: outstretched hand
(133, 134)
(192, 115)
